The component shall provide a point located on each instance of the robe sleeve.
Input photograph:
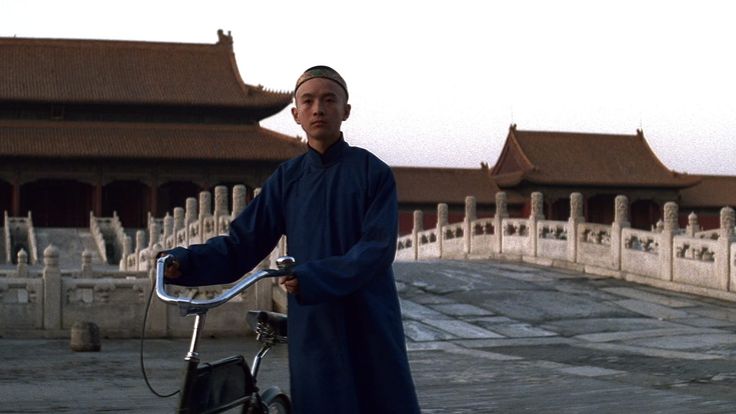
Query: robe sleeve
(335, 277)
(253, 235)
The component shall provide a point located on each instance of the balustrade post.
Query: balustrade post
(669, 230)
(239, 194)
(537, 214)
(692, 224)
(416, 229)
(576, 217)
(442, 221)
(86, 270)
(140, 237)
(22, 266)
(127, 245)
(470, 216)
(220, 206)
(502, 212)
(190, 216)
(51, 289)
(620, 222)
(168, 230)
(179, 220)
(723, 251)
(205, 210)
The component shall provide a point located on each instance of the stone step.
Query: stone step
(71, 242)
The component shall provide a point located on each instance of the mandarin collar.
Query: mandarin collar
(331, 156)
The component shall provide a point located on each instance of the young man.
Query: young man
(337, 206)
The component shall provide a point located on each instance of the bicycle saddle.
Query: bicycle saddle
(269, 324)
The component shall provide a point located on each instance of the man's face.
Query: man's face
(320, 109)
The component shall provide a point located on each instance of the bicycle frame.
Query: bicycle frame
(227, 383)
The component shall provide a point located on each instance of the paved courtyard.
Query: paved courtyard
(483, 337)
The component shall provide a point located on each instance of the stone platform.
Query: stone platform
(483, 337)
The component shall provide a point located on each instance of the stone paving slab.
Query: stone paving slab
(663, 300)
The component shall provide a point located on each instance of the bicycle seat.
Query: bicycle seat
(268, 324)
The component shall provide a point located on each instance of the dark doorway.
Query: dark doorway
(6, 197)
(644, 214)
(600, 209)
(560, 210)
(131, 201)
(57, 203)
(174, 194)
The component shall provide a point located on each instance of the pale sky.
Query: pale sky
(438, 83)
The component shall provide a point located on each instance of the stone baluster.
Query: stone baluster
(140, 238)
(51, 289)
(723, 251)
(86, 264)
(442, 221)
(576, 218)
(205, 204)
(127, 246)
(168, 230)
(239, 194)
(179, 220)
(220, 206)
(692, 224)
(22, 266)
(502, 212)
(154, 234)
(669, 230)
(417, 228)
(536, 215)
(620, 222)
(470, 216)
(190, 216)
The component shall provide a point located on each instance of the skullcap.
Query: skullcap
(321, 72)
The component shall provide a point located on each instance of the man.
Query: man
(337, 206)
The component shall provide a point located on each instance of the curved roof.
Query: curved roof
(129, 73)
(153, 141)
(714, 191)
(568, 158)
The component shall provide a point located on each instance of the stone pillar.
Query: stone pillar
(442, 221)
(22, 267)
(239, 194)
(416, 229)
(576, 217)
(168, 230)
(692, 224)
(666, 239)
(220, 206)
(86, 264)
(140, 239)
(470, 216)
(205, 204)
(723, 251)
(179, 225)
(52, 318)
(127, 247)
(190, 216)
(502, 212)
(154, 234)
(620, 222)
(536, 215)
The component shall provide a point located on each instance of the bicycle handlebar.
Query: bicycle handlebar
(188, 306)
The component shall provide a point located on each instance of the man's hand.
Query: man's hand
(291, 283)
(172, 270)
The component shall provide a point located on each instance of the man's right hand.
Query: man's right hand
(172, 270)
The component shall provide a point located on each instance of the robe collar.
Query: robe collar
(331, 156)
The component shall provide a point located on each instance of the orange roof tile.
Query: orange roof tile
(122, 140)
(568, 158)
(128, 72)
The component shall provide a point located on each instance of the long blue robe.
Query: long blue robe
(339, 212)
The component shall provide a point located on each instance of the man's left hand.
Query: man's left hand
(291, 283)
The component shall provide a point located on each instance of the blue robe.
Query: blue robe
(339, 212)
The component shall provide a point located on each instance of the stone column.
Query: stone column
(168, 231)
(140, 239)
(620, 222)
(205, 204)
(536, 215)
(179, 221)
(576, 217)
(154, 234)
(416, 229)
(669, 230)
(220, 206)
(502, 212)
(239, 194)
(470, 216)
(692, 224)
(442, 221)
(190, 216)
(127, 247)
(22, 266)
(52, 317)
(723, 251)
(86, 264)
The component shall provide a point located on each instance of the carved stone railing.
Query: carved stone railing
(687, 259)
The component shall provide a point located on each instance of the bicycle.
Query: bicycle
(228, 383)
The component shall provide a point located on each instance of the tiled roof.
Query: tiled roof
(567, 158)
(715, 191)
(423, 185)
(128, 72)
(121, 140)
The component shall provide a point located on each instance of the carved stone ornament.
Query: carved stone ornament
(502, 209)
(670, 216)
(576, 205)
(622, 209)
(728, 219)
(537, 205)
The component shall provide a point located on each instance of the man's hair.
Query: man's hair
(325, 72)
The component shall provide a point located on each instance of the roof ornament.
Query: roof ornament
(639, 132)
(512, 127)
(224, 39)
